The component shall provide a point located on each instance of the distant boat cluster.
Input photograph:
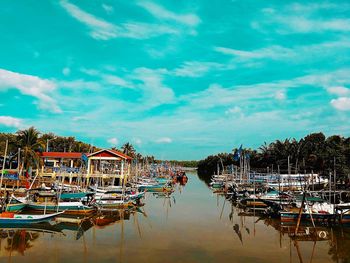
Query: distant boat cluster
(298, 198)
(104, 181)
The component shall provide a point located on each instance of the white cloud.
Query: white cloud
(306, 25)
(100, 29)
(303, 18)
(80, 118)
(154, 91)
(118, 81)
(109, 9)
(216, 96)
(103, 30)
(11, 121)
(342, 104)
(66, 71)
(339, 90)
(113, 141)
(143, 30)
(162, 13)
(80, 84)
(164, 140)
(137, 141)
(280, 95)
(195, 68)
(90, 72)
(272, 52)
(235, 111)
(41, 89)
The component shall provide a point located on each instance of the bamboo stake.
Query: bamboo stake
(300, 212)
(3, 165)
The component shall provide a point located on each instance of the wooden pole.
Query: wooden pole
(3, 165)
(279, 183)
(300, 212)
(330, 187)
(335, 185)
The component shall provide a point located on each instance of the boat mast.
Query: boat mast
(335, 185)
(3, 165)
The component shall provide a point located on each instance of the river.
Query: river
(193, 225)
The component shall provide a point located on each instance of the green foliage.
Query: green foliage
(314, 153)
(32, 141)
(129, 149)
(187, 164)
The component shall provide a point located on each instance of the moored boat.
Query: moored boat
(12, 218)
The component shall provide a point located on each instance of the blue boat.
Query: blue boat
(15, 219)
(15, 207)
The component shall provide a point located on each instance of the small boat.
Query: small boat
(130, 193)
(68, 207)
(318, 212)
(14, 205)
(43, 227)
(343, 212)
(12, 218)
(49, 202)
(110, 200)
(154, 187)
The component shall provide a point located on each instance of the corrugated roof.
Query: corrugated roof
(65, 155)
(114, 152)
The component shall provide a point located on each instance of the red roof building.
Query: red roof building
(105, 153)
(61, 155)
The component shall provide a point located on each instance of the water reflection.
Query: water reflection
(305, 241)
(21, 238)
(189, 225)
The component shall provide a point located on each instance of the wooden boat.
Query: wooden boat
(155, 188)
(49, 202)
(297, 182)
(320, 212)
(68, 207)
(128, 192)
(12, 218)
(111, 201)
(43, 227)
(217, 184)
(343, 212)
(15, 205)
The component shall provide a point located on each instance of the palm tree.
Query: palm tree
(128, 149)
(139, 157)
(29, 142)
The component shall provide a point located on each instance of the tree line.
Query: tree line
(313, 153)
(30, 142)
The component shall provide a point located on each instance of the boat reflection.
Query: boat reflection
(307, 241)
(21, 238)
(106, 218)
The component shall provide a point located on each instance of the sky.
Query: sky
(177, 79)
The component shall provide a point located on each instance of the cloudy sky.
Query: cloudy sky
(178, 79)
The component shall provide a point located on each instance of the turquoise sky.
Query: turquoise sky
(178, 79)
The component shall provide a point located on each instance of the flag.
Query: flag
(237, 153)
(84, 158)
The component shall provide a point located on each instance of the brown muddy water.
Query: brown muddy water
(193, 225)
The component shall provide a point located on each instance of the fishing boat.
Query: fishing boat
(50, 202)
(153, 186)
(42, 227)
(317, 212)
(12, 218)
(14, 205)
(343, 212)
(110, 200)
(131, 193)
(295, 181)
